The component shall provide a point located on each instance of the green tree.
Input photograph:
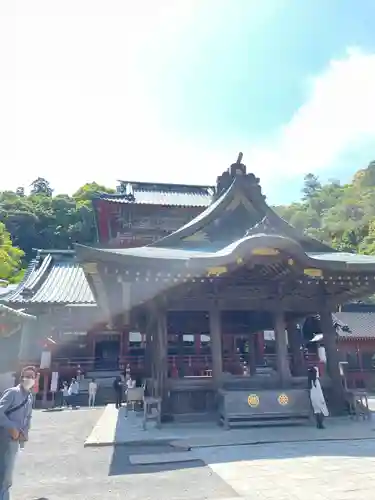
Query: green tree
(42, 220)
(311, 186)
(89, 190)
(10, 256)
(41, 187)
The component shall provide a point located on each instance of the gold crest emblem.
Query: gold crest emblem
(253, 400)
(283, 399)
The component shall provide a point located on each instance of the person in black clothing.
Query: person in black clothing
(118, 386)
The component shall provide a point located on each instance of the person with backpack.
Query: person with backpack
(16, 406)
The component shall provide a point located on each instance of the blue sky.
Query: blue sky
(172, 90)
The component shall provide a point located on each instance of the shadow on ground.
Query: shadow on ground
(120, 463)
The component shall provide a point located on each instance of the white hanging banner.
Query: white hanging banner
(45, 360)
(54, 382)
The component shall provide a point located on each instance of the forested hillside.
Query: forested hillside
(341, 215)
(42, 219)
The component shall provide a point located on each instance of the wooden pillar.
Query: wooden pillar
(252, 353)
(180, 354)
(26, 334)
(161, 354)
(260, 345)
(330, 344)
(216, 343)
(149, 354)
(283, 367)
(295, 343)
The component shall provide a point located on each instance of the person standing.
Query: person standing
(73, 392)
(93, 388)
(118, 386)
(65, 394)
(16, 405)
(318, 402)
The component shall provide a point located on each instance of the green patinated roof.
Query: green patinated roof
(52, 278)
(147, 193)
(237, 223)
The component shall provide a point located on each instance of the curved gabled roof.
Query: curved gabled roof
(235, 226)
(239, 209)
(53, 277)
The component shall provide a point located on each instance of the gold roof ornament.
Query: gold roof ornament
(216, 271)
(90, 267)
(265, 252)
(313, 272)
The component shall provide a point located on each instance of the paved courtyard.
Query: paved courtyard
(55, 465)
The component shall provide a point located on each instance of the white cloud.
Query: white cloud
(336, 120)
(74, 107)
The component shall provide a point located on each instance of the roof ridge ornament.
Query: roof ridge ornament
(237, 169)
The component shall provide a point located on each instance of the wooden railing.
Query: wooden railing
(194, 364)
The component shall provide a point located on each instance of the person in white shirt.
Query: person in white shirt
(130, 383)
(65, 394)
(93, 388)
(73, 392)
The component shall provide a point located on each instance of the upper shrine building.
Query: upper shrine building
(143, 212)
(190, 284)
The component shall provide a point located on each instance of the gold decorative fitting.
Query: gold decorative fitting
(283, 399)
(239, 260)
(266, 252)
(216, 271)
(313, 272)
(90, 268)
(253, 400)
(290, 262)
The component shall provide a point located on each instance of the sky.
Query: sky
(172, 90)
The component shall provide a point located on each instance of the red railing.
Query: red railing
(193, 365)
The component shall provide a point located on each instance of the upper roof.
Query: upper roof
(53, 277)
(237, 224)
(239, 210)
(147, 193)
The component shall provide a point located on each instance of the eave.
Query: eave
(262, 246)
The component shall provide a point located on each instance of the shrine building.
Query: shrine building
(237, 261)
(183, 285)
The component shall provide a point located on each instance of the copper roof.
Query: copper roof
(360, 325)
(54, 278)
(147, 193)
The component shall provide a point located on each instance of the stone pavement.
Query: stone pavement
(114, 428)
(56, 466)
(332, 470)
